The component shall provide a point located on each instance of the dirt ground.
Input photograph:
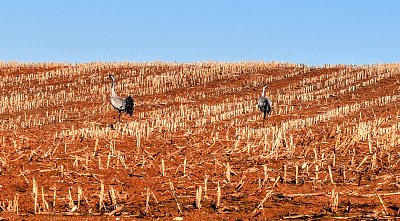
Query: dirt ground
(196, 146)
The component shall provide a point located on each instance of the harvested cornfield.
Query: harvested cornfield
(196, 147)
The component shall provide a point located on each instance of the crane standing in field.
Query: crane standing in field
(264, 103)
(120, 104)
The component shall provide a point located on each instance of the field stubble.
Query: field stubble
(196, 146)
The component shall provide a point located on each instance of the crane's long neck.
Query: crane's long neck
(112, 87)
(263, 93)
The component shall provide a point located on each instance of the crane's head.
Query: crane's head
(111, 77)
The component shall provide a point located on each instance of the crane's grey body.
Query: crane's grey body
(264, 103)
(119, 103)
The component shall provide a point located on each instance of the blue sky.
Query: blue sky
(308, 31)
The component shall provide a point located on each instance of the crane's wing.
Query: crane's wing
(259, 102)
(118, 103)
(264, 104)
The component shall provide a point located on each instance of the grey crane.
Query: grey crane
(120, 104)
(264, 103)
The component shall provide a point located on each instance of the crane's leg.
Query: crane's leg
(263, 119)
